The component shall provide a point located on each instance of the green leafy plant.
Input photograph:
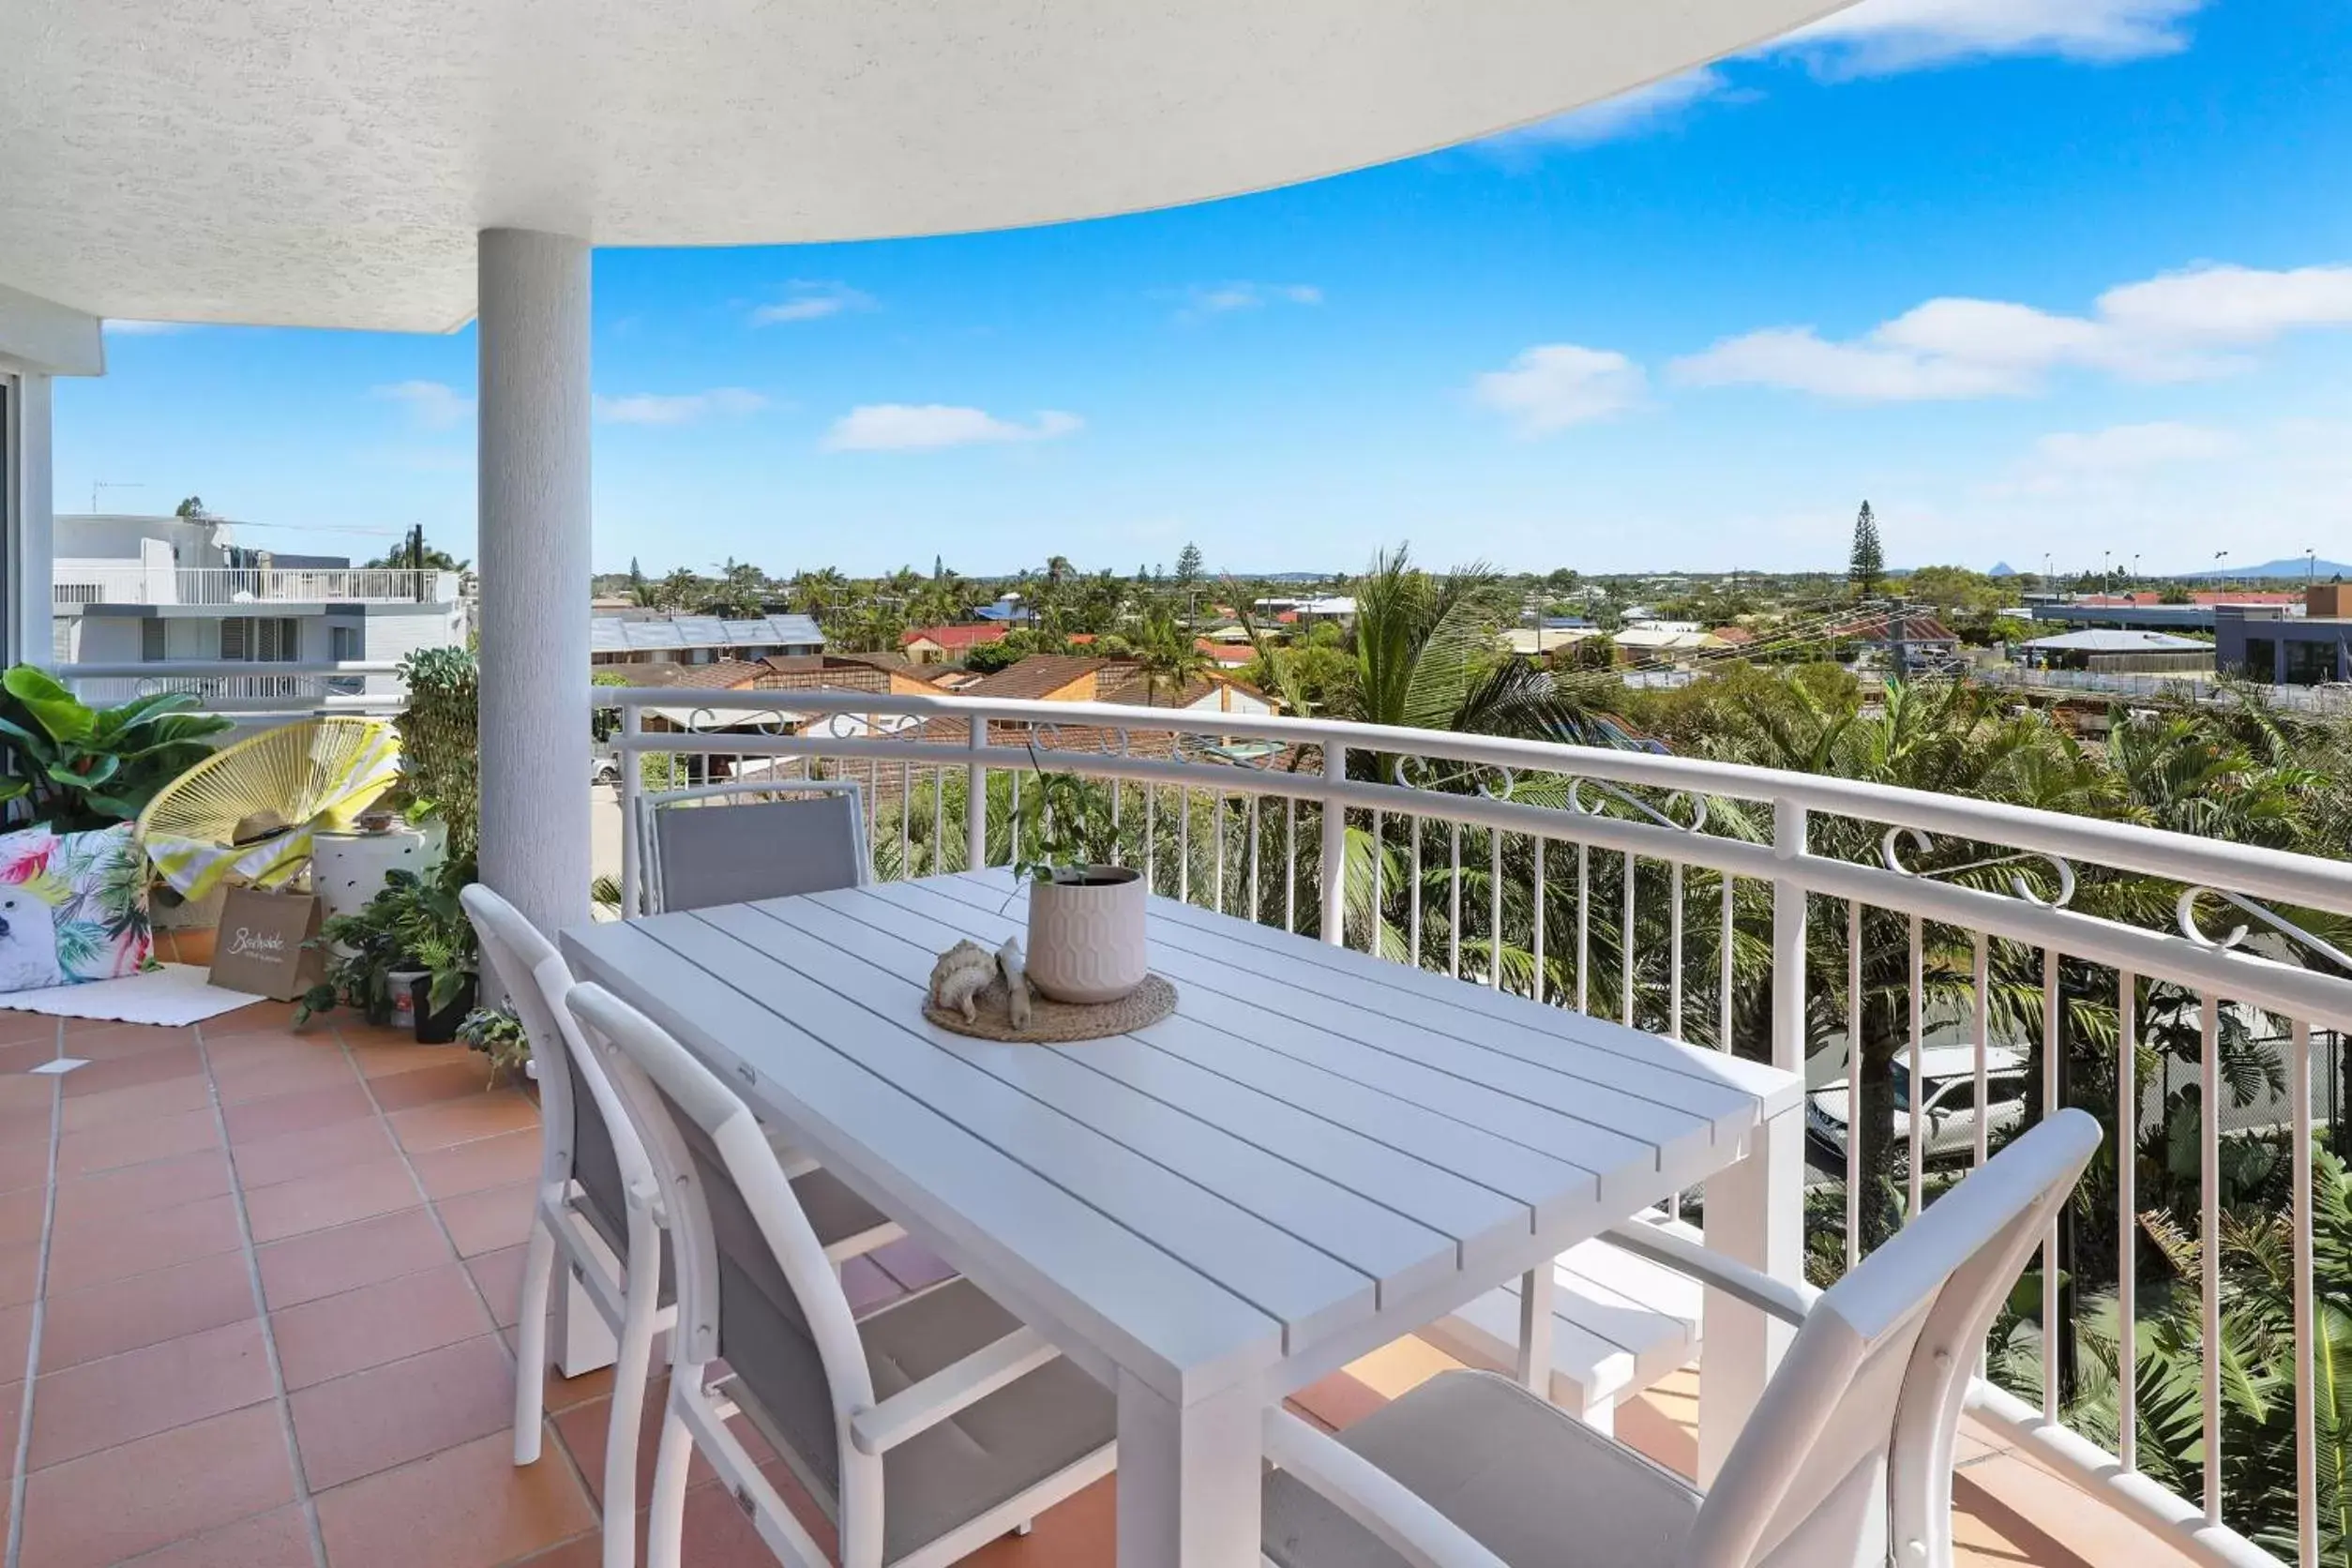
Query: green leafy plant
(414, 923)
(1063, 823)
(81, 767)
(499, 1035)
(440, 741)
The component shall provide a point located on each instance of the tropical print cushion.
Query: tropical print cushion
(74, 907)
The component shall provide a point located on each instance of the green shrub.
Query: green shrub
(440, 741)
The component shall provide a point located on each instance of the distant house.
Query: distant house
(940, 644)
(1737, 637)
(1045, 678)
(1644, 643)
(1008, 611)
(1308, 611)
(1230, 655)
(2109, 650)
(1543, 642)
(2264, 643)
(1911, 642)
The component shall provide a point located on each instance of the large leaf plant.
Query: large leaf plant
(81, 767)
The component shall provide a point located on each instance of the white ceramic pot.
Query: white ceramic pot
(348, 868)
(1086, 934)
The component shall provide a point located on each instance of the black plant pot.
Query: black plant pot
(439, 1029)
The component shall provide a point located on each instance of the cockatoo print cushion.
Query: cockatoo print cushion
(74, 907)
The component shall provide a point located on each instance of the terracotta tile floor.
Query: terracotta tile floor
(267, 1284)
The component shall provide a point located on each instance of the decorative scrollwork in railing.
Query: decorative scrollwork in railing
(1626, 797)
(2187, 912)
(1924, 843)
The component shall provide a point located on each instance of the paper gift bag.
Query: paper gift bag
(262, 944)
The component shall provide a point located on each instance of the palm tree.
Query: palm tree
(1167, 654)
(1426, 657)
(2257, 1348)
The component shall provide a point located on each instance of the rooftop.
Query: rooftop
(615, 634)
(2107, 642)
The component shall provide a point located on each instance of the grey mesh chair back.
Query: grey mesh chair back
(595, 1218)
(535, 978)
(699, 852)
(1848, 1453)
(754, 1286)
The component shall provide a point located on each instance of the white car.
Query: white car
(1948, 1076)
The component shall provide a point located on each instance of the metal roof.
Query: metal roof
(2104, 640)
(615, 634)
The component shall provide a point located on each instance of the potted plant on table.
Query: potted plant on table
(1086, 940)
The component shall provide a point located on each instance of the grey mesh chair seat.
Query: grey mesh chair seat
(985, 1454)
(1528, 1481)
(1846, 1460)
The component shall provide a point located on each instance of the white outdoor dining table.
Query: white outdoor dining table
(1320, 1151)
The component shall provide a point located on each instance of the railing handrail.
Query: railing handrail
(76, 581)
(2280, 875)
(207, 668)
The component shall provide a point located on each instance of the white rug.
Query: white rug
(175, 994)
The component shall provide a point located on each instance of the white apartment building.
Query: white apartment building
(132, 595)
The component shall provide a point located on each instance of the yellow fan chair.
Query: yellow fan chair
(320, 772)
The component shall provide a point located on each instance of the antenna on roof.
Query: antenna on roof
(98, 485)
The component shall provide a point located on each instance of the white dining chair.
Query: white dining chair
(923, 1430)
(809, 839)
(1845, 1463)
(599, 1209)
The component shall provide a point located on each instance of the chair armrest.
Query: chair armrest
(1778, 1298)
(1371, 1497)
(881, 1427)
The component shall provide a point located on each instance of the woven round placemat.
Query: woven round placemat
(1053, 1023)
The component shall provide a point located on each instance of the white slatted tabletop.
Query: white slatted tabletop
(1318, 1152)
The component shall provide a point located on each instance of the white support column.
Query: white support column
(535, 552)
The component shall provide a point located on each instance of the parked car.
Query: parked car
(1948, 1093)
(604, 770)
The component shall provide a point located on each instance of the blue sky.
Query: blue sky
(2035, 276)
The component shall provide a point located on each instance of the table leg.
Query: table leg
(1189, 1478)
(1535, 1331)
(1756, 1215)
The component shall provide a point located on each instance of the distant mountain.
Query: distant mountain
(2292, 567)
(2002, 568)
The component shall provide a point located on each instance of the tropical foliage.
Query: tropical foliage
(77, 767)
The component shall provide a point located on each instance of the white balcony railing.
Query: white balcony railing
(248, 692)
(80, 584)
(1728, 906)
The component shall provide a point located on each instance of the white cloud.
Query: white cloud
(808, 300)
(2182, 326)
(133, 328)
(1223, 298)
(923, 426)
(1882, 37)
(1644, 108)
(1879, 38)
(1554, 385)
(684, 408)
(434, 405)
(2132, 448)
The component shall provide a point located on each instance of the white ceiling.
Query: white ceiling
(328, 162)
